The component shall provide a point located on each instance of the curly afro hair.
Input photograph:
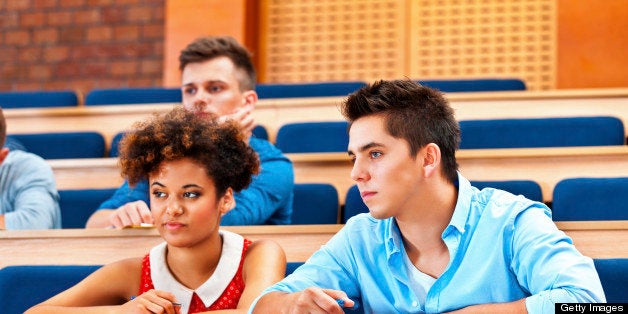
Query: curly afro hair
(220, 147)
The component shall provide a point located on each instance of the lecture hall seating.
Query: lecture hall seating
(313, 137)
(78, 205)
(476, 85)
(38, 99)
(590, 199)
(63, 145)
(298, 90)
(315, 204)
(125, 96)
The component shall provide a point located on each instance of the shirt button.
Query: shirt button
(415, 304)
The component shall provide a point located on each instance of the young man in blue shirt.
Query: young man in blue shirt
(217, 77)
(431, 243)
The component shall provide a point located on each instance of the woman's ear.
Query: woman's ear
(431, 159)
(227, 202)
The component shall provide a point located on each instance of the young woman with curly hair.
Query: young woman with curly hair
(194, 166)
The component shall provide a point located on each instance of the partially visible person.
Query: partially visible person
(218, 77)
(194, 167)
(28, 195)
(431, 242)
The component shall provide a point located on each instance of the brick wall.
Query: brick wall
(80, 44)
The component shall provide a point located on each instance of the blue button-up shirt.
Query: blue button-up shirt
(502, 248)
(267, 200)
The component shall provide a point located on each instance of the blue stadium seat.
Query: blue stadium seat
(475, 85)
(541, 132)
(315, 203)
(124, 96)
(78, 205)
(530, 189)
(291, 266)
(63, 145)
(260, 132)
(577, 199)
(322, 89)
(38, 99)
(24, 286)
(313, 137)
(614, 277)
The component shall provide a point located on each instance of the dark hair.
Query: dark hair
(220, 148)
(207, 48)
(3, 128)
(418, 114)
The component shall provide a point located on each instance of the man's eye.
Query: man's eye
(375, 154)
(215, 89)
(189, 90)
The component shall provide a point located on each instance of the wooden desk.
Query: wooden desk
(599, 239)
(273, 113)
(546, 166)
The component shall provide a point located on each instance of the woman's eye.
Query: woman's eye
(190, 194)
(158, 194)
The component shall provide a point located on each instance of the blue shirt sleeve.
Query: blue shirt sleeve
(126, 194)
(28, 187)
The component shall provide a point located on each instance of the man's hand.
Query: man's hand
(310, 300)
(244, 117)
(131, 214)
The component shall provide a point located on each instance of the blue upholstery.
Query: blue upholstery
(590, 199)
(291, 266)
(541, 132)
(63, 144)
(530, 189)
(353, 204)
(321, 89)
(315, 203)
(475, 85)
(122, 96)
(260, 131)
(24, 286)
(614, 277)
(313, 137)
(78, 205)
(38, 99)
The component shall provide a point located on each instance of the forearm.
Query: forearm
(52, 309)
(518, 306)
(99, 219)
(273, 302)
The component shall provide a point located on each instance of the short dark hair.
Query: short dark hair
(3, 128)
(207, 48)
(219, 147)
(418, 114)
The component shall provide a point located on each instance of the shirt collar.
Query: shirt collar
(463, 205)
(208, 292)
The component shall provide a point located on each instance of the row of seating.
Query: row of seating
(121, 96)
(575, 199)
(26, 285)
(331, 136)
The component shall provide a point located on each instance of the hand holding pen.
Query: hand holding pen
(317, 300)
(154, 301)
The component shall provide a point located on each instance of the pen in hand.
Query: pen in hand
(341, 302)
(173, 303)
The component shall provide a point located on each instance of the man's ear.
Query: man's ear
(250, 98)
(431, 159)
(227, 202)
(4, 152)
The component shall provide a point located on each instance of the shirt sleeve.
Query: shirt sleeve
(549, 266)
(126, 194)
(36, 201)
(269, 191)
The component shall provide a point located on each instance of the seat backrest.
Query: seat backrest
(319, 89)
(541, 132)
(38, 99)
(63, 145)
(476, 85)
(353, 204)
(528, 188)
(124, 96)
(614, 277)
(315, 203)
(590, 199)
(24, 286)
(78, 205)
(313, 137)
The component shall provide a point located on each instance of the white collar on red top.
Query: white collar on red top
(210, 291)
